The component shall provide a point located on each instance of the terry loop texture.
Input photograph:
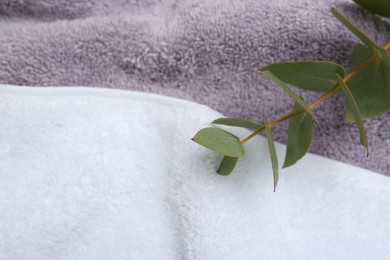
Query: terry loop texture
(201, 50)
(85, 174)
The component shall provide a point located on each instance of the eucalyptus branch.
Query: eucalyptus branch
(365, 89)
(320, 99)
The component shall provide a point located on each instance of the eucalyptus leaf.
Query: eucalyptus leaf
(291, 93)
(220, 141)
(381, 7)
(371, 86)
(239, 122)
(309, 75)
(300, 136)
(380, 54)
(271, 147)
(227, 165)
(355, 112)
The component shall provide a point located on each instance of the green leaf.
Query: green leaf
(309, 75)
(371, 86)
(239, 122)
(381, 7)
(227, 165)
(355, 112)
(291, 93)
(359, 55)
(355, 30)
(220, 141)
(300, 136)
(271, 147)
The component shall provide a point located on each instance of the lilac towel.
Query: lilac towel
(202, 50)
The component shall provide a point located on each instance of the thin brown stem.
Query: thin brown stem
(330, 92)
(359, 68)
(387, 46)
(243, 141)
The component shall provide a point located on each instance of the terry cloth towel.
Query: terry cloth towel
(201, 50)
(108, 174)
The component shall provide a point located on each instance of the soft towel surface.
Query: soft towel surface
(201, 50)
(89, 174)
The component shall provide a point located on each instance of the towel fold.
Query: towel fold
(108, 174)
(206, 51)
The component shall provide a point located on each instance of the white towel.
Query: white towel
(109, 174)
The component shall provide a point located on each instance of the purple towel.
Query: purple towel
(202, 50)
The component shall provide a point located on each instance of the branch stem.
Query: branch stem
(327, 94)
